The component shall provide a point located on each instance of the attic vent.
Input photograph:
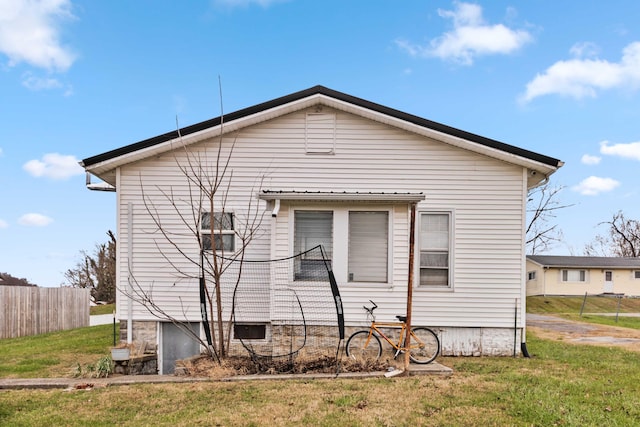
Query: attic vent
(320, 133)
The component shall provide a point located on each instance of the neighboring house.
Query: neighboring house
(328, 167)
(577, 275)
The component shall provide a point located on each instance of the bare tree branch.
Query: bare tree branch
(542, 204)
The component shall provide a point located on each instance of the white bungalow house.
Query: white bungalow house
(326, 162)
(577, 275)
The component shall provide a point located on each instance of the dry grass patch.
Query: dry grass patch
(203, 366)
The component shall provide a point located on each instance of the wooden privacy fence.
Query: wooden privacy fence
(26, 310)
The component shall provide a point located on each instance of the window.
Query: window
(312, 228)
(368, 246)
(574, 275)
(223, 229)
(434, 241)
(531, 275)
(249, 332)
(636, 274)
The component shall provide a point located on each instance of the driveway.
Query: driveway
(100, 319)
(557, 328)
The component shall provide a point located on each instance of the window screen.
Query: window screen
(312, 228)
(434, 249)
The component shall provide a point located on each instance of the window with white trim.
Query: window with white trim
(368, 246)
(531, 275)
(435, 248)
(224, 235)
(312, 228)
(636, 274)
(574, 275)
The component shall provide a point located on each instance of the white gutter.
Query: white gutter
(99, 186)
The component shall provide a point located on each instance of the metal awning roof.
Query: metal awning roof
(343, 196)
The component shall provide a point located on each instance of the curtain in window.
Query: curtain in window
(368, 246)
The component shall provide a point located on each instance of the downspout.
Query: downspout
(523, 286)
(129, 275)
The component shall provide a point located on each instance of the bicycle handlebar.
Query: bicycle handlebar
(370, 310)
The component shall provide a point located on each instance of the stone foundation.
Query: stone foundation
(453, 341)
(145, 335)
(146, 364)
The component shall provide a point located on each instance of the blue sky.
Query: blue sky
(78, 78)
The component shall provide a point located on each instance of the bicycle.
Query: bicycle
(424, 346)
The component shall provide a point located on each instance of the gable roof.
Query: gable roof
(101, 163)
(584, 261)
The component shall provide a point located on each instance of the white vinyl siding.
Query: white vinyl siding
(368, 246)
(320, 133)
(485, 197)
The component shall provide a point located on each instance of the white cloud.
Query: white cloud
(628, 151)
(40, 83)
(1, 153)
(54, 166)
(34, 220)
(30, 32)
(594, 185)
(471, 37)
(588, 159)
(584, 50)
(3, 224)
(580, 78)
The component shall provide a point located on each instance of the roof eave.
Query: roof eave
(100, 165)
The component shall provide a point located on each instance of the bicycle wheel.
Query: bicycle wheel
(361, 347)
(425, 345)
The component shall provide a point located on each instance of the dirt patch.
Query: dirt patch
(556, 328)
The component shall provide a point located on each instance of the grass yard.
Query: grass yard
(102, 309)
(572, 305)
(562, 384)
(56, 354)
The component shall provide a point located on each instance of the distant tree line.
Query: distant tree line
(97, 271)
(8, 280)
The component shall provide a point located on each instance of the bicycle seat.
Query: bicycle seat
(402, 318)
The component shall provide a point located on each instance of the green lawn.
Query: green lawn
(102, 309)
(572, 305)
(55, 354)
(562, 384)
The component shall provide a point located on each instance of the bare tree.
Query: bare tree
(97, 272)
(622, 240)
(207, 180)
(542, 204)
